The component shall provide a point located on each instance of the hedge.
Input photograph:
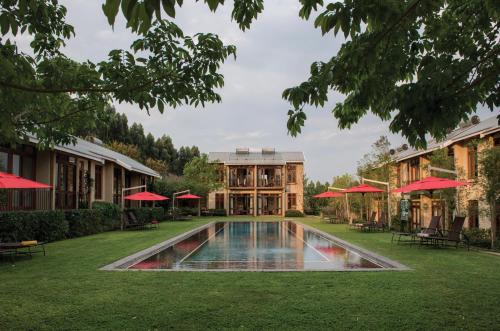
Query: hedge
(41, 225)
(83, 222)
(111, 214)
(148, 214)
(479, 237)
(293, 213)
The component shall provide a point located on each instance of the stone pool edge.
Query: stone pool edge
(123, 264)
(386, 263)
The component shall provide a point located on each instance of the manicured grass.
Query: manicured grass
(447, 289)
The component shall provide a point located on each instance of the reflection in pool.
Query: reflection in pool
(256, 246)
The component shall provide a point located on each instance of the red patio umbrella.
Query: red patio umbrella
(328, 194)
(10, 181)
(430, 184)
(192, 197)
(145, 196)
(363, 188)
(188, 196)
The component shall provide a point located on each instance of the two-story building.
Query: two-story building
(78, 174)
(264, 182)
(464, 146)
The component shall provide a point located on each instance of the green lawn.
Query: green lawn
(447, 289)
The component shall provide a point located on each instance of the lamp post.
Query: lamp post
(388, 194)
(123, 195)
(454, 173)
(173, 199)
(346, 201)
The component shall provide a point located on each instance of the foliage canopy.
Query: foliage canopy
(424, 65)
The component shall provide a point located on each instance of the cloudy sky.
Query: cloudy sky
(274, 54)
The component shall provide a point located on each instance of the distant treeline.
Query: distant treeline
(159, 154)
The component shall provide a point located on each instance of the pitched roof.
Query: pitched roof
(101, 154)
(485, 127)
(275, 158)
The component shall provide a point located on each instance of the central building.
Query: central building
(263, 182)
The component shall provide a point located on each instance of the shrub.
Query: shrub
(83, 222)
(479, 237)
(111, 214)
(148, 214)
(185, 211)
(42, 225)
(293, 213)
(328, 211)
(312, 211)
(219, 212)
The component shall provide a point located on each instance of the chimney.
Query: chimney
(243, 150)
(268, 151)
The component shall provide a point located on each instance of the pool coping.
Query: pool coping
(123, 264)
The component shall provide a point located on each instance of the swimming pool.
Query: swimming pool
(255, 246)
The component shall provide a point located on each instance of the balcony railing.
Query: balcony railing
(270, 181)
(241, 181)
(25, 199)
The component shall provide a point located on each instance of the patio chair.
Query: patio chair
(131, 221)
(431, 231)
(367, 225)
(453, 235)
(27, 247)
(381, 224)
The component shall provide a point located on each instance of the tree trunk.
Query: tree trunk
(493, 223)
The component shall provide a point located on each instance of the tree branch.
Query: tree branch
(33, 89)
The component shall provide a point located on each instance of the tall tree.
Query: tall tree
(200, 172)
(376, 164)
(490, 180)
(52, 95)
(424, 65)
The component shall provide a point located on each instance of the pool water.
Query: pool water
(281, 245)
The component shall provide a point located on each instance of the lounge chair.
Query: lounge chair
(367, 225)
(131, 221)
(28, 247)
(431, 231)
(453, 235)
(381, 225)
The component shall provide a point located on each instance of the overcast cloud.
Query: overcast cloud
(274, 54)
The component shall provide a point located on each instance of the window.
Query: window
(496, 141)
(292, 201)
(291, 174)
(220, 174)
(98, 182)
(219, 200)
(65, 182)
(414, 170)
(472, 162)
(117, 186)
(4, 161)
(473, 214)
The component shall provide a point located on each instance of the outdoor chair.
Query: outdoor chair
(453, 235)
(367, 225)
(131, 221)
(431, 231)
(381, 224)
(13, 248)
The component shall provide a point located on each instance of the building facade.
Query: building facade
(464, 146)
(266, 182)
(78, 175)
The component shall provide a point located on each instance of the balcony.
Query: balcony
(269, 177)
(241, 177)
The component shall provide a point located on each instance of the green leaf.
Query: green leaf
(110, 9)
(169, 7)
